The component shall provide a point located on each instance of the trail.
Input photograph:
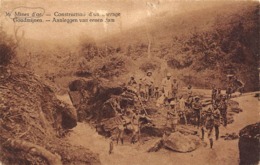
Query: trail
(224, 151)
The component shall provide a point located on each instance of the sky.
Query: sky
(132, 13)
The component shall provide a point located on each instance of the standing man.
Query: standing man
(223, 110)
(197, 107)
(132, 81)
(135, 122)
(209, 124)
(217, 116)
(229, 91)
(213, 94)
(172, 116)
(175, 88)
(167, 86)
(239, 85)
(148, 82)
(182, 108)
(218, 97)
(189, 91)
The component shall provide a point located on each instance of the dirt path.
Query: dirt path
(224, 152)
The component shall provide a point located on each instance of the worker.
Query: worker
(121, 130)
(223, 110)
(209, 124)
(217, 116)
(239, 85)
(182, 109)
(197, 107)
(229, 91)
(213, 93)
(132, 81)
(156, 92)
(111, 145)
(189, 91)
(172, 116)
(167, 86)
(135, 123)
(148, 83)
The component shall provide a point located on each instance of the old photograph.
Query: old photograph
(129, 82)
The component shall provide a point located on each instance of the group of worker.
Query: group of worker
(147, 88)
(178, 107)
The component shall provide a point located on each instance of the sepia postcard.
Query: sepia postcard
(128, 82)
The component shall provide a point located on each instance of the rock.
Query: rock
(157, 146)
(249, 148)
(182, 143)
(75, 97)
(186, 130)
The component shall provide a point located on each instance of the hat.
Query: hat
(197, 97)
(168, 74)
(149, 71)
(172, 102)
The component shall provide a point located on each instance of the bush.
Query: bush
(6, 54)
(6, 49)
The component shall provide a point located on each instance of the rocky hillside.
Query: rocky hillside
(33, 122)
(200, 47)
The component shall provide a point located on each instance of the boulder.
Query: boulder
(182, 143)
(157, 146)
(248, 144)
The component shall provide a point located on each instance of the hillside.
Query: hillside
(34, 122)
(200, 47)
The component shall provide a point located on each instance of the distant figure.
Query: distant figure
(120, 135)
(148, 83)
(239, 84)
(223, 110)
(167, 86)
(229, 91)
(209, 124)
(182, 109)
(197, 107)
(217, 117)
(111, 146)
(189, 91)
(172, 116)
(213, 93)
(189, 102)
(132, 81)
(135, 123)
(156, 92)
(218, 97)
